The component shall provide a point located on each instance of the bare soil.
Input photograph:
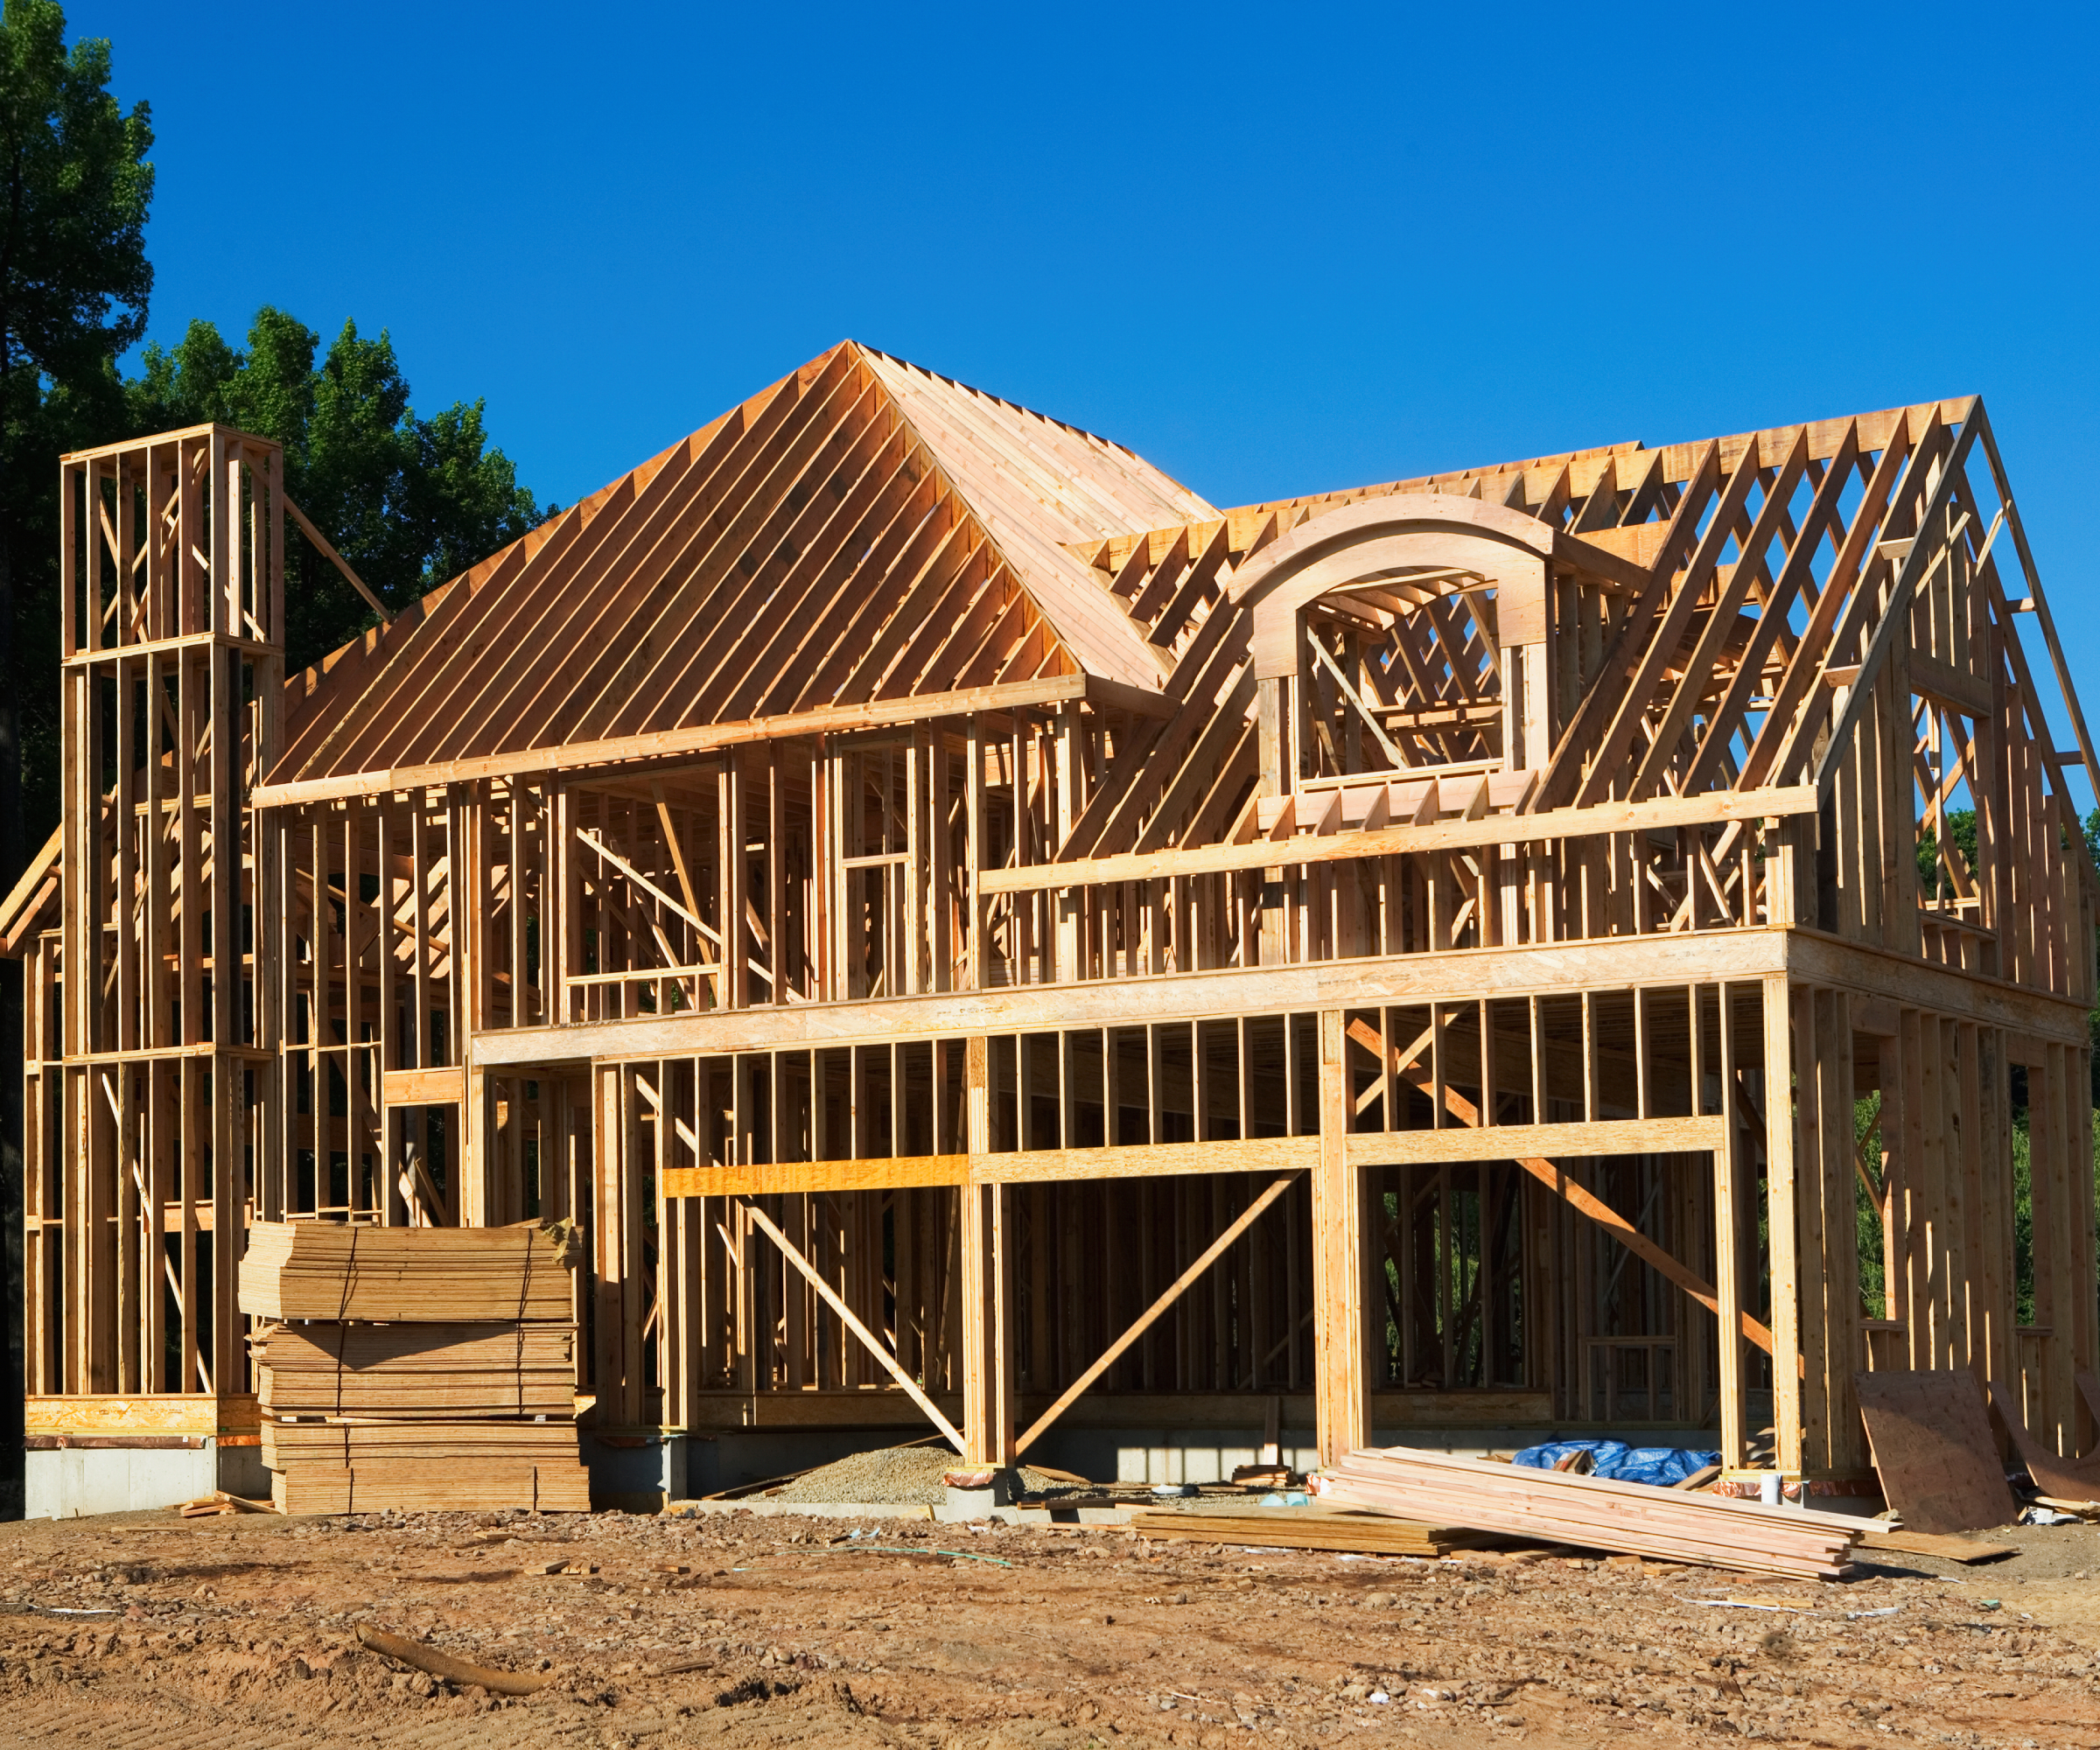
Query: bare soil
(750, 1631)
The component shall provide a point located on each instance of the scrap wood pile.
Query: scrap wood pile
(422, 1369)
(1553, 1507)
(218, 1504)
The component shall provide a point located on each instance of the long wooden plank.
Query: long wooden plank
(1464, 976)
(767, 1179)
(1307, 1529)
(1517, 1142)
(1947, 1549)
(1662, 815)
(1142, 1160)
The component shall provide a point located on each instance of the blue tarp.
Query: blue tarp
(1662, 1465)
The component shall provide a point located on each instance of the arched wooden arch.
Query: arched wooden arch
(1381, 540)
(1411, 547)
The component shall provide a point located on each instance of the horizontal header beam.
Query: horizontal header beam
(1454, 1145)
(1458, 834)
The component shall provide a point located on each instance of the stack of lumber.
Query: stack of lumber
(407, 1372)
(340, 1467)
(418, 1369)
(327, 1269)
(1300, 1527)
(1549, 1507)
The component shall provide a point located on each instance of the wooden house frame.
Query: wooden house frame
(971, 929)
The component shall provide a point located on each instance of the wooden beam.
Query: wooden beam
(1511, 1142)
(1145, 1160)
(1664, 814)
(442, 1087)
(320, 542)
(767, 1178)
(1340, 1262)
(1462, 976)
(1508, 1142)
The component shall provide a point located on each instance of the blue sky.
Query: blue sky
(1274, 250)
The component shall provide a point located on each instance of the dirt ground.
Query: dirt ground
(746, 1631)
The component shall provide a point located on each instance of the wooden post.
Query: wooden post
(1783, 1223)
(731, 870)
(1727, 1243)
(1341, 1407)
(1067, 730)
(988, 1354)
(975, 945)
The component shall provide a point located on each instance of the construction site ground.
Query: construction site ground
(735, 1630)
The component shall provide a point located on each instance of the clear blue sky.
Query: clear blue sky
(1273, 250)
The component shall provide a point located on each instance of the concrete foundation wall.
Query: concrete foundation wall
(74, 1483)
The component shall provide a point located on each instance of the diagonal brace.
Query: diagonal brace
(328, 552)
(948, 1431)
(1584, 1202)
(1217, 1249)
(1348, 692)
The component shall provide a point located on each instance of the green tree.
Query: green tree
(74, 191)
(1933, 881)
(409, 501)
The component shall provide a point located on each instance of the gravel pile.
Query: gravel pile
(899, 1476)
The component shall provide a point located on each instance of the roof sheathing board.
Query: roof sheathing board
(1035, 485)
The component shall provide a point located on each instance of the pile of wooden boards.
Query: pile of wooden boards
(1551, 1507)
(1302, 1528)
(410, 1372)
(418, 1369)
(329, 1270)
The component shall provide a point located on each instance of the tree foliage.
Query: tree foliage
(75, 187)
(407, 500)
(1934, 881)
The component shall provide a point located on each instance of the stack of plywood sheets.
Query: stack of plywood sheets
(327, 1269)
(1553, 1507)
(409, 1372)
(415, 1367)
(344, 1466)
